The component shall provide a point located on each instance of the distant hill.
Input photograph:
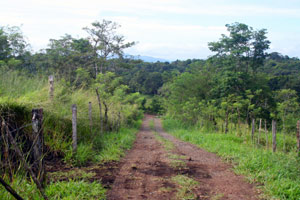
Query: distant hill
(147, 58)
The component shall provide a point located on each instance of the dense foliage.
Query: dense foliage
(239, 83)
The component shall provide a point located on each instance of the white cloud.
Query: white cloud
(150, 22)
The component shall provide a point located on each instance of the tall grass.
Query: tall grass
(19, 93)
(279, 173)
(19, 90)
(14, 84)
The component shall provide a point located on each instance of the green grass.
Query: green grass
(166, 143)
(20, 93)
(112, 146)
(176, 161)
(279, 173)
(71, 190)
(185, 187)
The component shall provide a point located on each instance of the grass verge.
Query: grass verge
(72, 189)
(278, 173)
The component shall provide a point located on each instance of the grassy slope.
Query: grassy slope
(279, 173)
(18, 92)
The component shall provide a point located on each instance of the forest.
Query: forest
(232, 96)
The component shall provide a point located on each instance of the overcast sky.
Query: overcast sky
(169, 29)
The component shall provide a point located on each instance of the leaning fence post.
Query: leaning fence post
(90, 117)
(74, 127)
(38, 144)
(274, 134)
(51, 86)
(298, 137)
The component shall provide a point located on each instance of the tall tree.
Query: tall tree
(244, 47)
(106, 43)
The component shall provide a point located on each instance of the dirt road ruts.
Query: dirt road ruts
(162, 167)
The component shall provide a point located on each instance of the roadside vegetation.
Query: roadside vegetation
(278, 173)
(93, 146)
(103, 135)
(215, 102)
(229, 105)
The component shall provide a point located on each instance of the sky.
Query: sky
(168, 29)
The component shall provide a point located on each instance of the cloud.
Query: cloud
(164, 28)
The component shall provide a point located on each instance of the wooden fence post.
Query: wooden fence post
(74, 128)
(90, 117)
(274, 134)
(38, 144)
(298, 137)
(266, 132)
(259, 130)
(253, 130)
(51, 86)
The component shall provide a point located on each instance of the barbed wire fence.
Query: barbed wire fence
(23, 151)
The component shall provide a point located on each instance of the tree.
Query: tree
(14, 50)
(17, 43)
(106, 43)
(288, 110)
(4, 45)
(244, 47)
(64, 56)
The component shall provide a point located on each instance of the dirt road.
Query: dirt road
(162, 167)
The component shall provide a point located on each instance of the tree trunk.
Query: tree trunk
(95, 63)
(105, 114)
(100, 109)
(90, 117)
